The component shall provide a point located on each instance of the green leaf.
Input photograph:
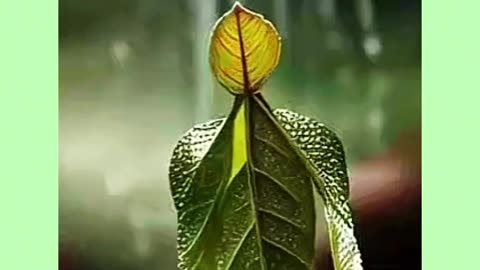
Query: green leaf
(325, 157)
(243, 190)
(243, 186)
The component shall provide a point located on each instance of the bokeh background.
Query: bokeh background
(134, 76)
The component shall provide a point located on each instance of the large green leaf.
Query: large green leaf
(243, 186)
(243, 195)
(325, 158)
(243, 191)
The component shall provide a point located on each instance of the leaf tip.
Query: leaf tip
(237, 6)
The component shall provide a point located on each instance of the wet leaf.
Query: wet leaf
(243, 185)
(323, 152)
(243, 195)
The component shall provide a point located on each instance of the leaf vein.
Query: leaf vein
(277, 215)
(280, 184)
(240, 244)
(241, 207)
(277, 245)
(273, 146)
(194, 207)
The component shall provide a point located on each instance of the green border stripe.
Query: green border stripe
(29, 130)
(451, 134)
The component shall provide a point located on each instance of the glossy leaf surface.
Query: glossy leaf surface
(324, 153)
(243, 195)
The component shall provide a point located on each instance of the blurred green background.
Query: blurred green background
(134, 76)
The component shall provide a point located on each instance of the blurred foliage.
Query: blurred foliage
(132, 80)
